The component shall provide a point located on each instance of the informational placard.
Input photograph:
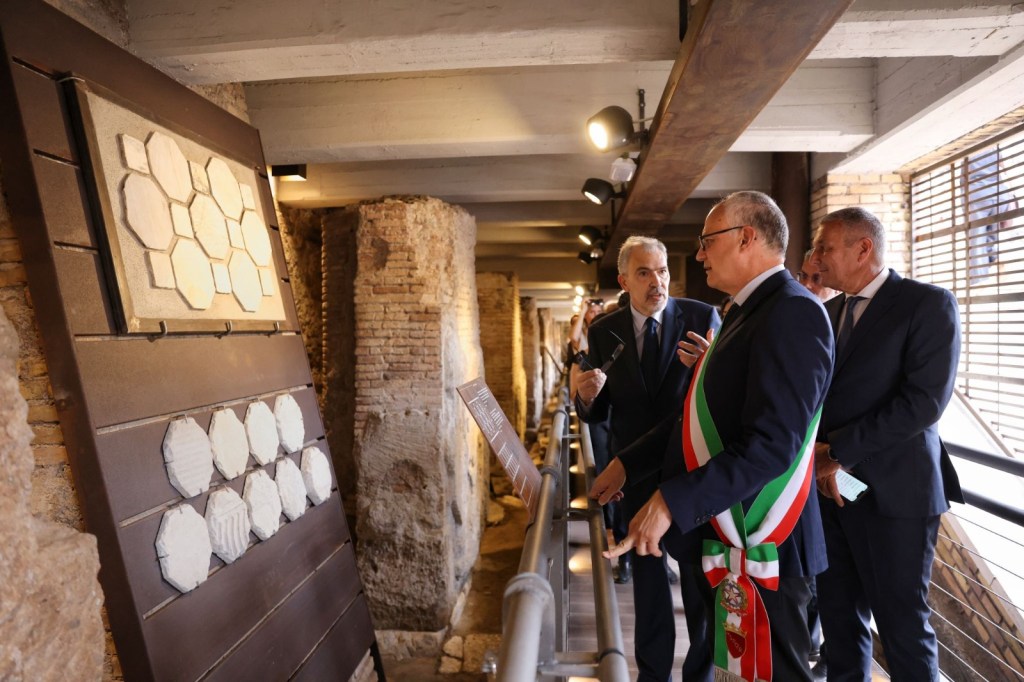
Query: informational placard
(504, 441)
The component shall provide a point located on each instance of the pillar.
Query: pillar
(501, 341)
(532, 364)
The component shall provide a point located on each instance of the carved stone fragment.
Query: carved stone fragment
(221, 278)
(208, 223)
(264, 503)
(235, 234)
(192, 274)
(224, 188)
(261, 428)
(147, 213)
(229, 443)
(316, 474)
(267, 282)
(245, 281)
(182, 222)
(248, 199)
(290, 428)
(169, 166)
(200, 182)
(227, 518)
(188, 457)
(133, 151)
(257, 240)
(291, 488)
(183, 546)
(160, 269)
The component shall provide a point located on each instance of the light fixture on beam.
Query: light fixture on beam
(600, 191)
(589, 234)
(290, 172)
(594, 254)
(612, 128)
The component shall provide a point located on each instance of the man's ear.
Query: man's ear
(622, 283)
(865, 248)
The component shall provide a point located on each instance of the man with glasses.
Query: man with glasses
(810, 277)
(644, 385)
(740, 466)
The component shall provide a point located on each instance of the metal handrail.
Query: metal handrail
(531, 610)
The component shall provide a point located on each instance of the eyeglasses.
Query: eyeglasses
(803, 277)
(703, 238)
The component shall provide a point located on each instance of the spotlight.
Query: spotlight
(291, 172)
(580, 289)
(588, 234)
(600, 191)
(612, 127)
(595, 253)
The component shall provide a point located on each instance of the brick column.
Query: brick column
(887, 196)
(532, 364)
(501, 337)
(549, 341)
(400, 334)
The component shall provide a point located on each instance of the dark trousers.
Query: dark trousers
(881, 566)
(614, 517)
(697, 597)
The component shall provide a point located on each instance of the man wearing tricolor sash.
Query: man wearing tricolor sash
(739, 463)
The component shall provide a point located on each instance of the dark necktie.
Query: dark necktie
(730, 317)
(846, 330)
(649, 359)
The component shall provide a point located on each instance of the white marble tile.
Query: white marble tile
(229, 443)
(227, 518)
(182, 221)
(235, 234)
(200, 181)
(290, 428)
(192, 274)
(169, 166)
(221, 278)
(267, 282)
(224, 188)
(133, 152)
(264, 503)
(245, 281)
(257, 239)
(316, 474)
(183, 547)
(208, 223)
(147, 213)
(188, 457)
(261, 428)
(248, 198)
(160, 270)
(291, 488)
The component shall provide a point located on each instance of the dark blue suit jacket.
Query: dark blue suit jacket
(624, 394)
(765, 379)
(891, 384)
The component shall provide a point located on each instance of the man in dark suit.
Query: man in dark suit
(740, 467)
(644, 385)
(898, 344)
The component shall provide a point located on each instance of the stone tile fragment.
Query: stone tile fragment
(264, 503)
(192, 274)
(146, 211)
(160, 269)
(133, 152)
(208, 224)
(169, 166)
(257, 239)
(224, 188)
(188, 457)
(290, 429)
(229, 443)
(183, 547)
(227, 519)
(245, 281)
(316, 474)
(261, 428)
(291, 488)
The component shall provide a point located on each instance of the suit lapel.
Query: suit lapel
(881, 302)
(671, 331)
(755, 299)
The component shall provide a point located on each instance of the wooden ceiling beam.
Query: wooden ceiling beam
(734, 58)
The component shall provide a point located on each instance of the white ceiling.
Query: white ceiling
(483, 104)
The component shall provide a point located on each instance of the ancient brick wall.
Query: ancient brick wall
(400, 334)
(501, 338)
(532, 363)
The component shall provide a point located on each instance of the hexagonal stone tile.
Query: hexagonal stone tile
(188, 457)
(169, 166)
(133, 151)
(248, 198)
(257, 240)
(229, 443)
(267, 282)
(208, 223)
(245, 281)
(200, 181)
(264, 503)
(261, 428)
(182, 222)
(221, 278)
(291, 488)
(235, 234)
(192, 274)
(147, 212)
(224, 188)
(316, 474)
(183, 546)
(290, 428)
(160, 269)
(227, 519)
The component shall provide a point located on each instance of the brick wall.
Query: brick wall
(885, 195)
(501, 338)
(532, 363)
(552, 346)
(399, 335)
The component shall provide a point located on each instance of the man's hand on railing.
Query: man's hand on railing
(689, 353)
(589, 384)
(645, 530)
(608, 486)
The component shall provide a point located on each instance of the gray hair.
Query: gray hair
(641, 242)
(760, 211)
(857, 223)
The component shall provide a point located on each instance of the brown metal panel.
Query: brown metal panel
(133, 464)
(196, 630)
(132, 379)
(344, 647)
(49, 130)
(293, 631)
(80, 276)
(62, 194)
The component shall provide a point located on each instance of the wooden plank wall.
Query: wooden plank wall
(292, 606)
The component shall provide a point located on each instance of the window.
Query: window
(967, 235)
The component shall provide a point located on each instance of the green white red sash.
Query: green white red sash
(747, 549)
